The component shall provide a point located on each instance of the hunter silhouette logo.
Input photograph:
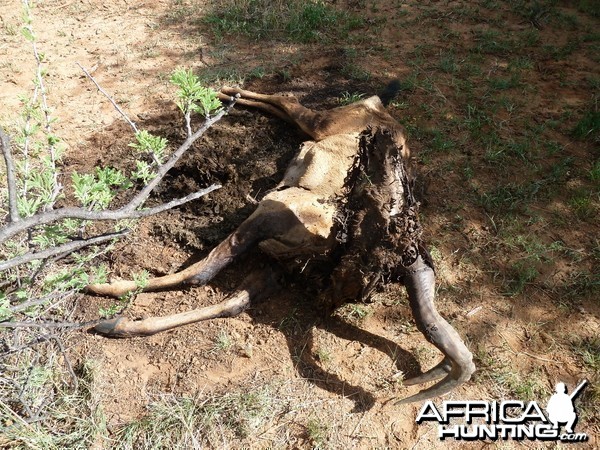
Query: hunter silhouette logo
(508, 419)
(560, 406)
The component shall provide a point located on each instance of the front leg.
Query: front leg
(248, 233)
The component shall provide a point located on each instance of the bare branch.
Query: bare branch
(188, 123)
(10, 177)
(49, 324)
(162, 170)
(131, 124)
(125, 212)
(64, 248)
(40, 301)
(174, 203)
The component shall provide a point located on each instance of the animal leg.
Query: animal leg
(198, 273)
(286, 107)
(347, 119)
(261, 106)
(249, 232)
(258, 283)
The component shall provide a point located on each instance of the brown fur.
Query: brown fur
(333, 187)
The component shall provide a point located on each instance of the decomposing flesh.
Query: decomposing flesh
(348, 190)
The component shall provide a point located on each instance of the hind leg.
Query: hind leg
(287, 108)
(347, 119)
(261, 106)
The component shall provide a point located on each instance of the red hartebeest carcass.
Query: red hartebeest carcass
(348, 189)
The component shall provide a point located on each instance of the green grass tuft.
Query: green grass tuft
(589, 351)
(347, 98)
(293, 21)
(588, 127)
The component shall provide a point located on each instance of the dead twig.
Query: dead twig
(67, 361)
(10, 177)
(420, 438)
(68, 247)
(19, 397)
(110, 99)
(39, 301)
(49, 324)
(358, 424)
(526, 353)
(16, 349)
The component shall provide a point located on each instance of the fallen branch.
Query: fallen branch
(68, 247)
(129, 210)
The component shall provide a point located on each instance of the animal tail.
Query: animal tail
(390, 92)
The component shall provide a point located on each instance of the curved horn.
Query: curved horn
(458, 362)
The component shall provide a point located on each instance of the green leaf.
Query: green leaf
(141, 279)
(28, 34)
(5, 312)
(28, 206)
(192, 96)
(150, 144)
(95, 192)
(143, 172)
(52, 235)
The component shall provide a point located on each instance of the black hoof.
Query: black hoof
(109, 328)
